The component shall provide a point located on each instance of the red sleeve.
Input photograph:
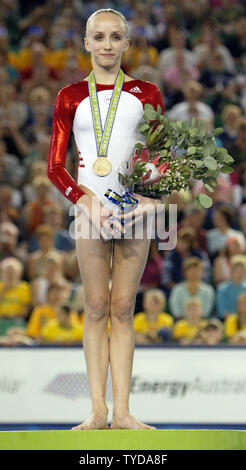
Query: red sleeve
(60, 133)
(157, 99)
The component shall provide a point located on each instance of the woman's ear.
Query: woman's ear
(86, 44)
(127, 43)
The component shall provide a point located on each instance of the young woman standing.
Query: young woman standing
(83, 106)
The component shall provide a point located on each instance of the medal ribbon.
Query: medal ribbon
(102, 138)
(125, 201)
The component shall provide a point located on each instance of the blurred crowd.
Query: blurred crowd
(195, 51)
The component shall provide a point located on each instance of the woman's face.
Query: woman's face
(151, 305)
(11, 274)
(193, 312)
(234, 248)
(183, 244)
(231, 118)
(106, 40)
(193, 274)
(219, 219)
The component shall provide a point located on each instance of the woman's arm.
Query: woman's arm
(60, 133)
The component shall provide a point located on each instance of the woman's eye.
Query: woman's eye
(114, 37)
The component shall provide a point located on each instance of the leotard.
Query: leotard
(72, 111)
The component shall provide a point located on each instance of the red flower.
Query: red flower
(156, 159)
(144, 156)
(163, 167)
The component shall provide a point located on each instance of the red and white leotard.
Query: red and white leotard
(72, 111)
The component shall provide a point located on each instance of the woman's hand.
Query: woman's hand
(146, 207)
(105, 220)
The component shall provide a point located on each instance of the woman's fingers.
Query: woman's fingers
(113, 226)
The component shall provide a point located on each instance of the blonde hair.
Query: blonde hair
(41, 180)
(231, 108)
(14, 263)
(107, 10)
(191, 262)
(156, 294)
(238, 260)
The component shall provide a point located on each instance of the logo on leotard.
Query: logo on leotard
(136, 90)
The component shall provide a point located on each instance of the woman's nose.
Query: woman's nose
(107, 44)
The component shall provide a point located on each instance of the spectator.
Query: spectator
(73, 293)
(34, 210)
(15, 295)
(153, 318)
(168, 57)
(39, 115)
(223, 219)
(9, 246)
(12, 172)
(36, 261)
(38, 168)
(176, 75)
(237, 40)
(10, 202)
(194, 217)
(187, 246)
(210, 43)
(228, 291)
(239, 338)
(192, 106)
(214, 332)
(192, 286)
(62, 330)
(211, 334)
(141, 53)
(187, 327)
(215, 78)
(38, 153)
(235, 322)
(222, 263)
(53, 273)
(230, 116)
(41, 314)
(54, 216)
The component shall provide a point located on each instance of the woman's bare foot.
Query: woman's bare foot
(95, 421)
(128, 421)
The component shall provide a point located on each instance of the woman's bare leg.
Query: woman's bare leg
(94, 256)
(129, 259)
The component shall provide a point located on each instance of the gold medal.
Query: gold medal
(102, 166)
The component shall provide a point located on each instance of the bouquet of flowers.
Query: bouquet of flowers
(173, 156)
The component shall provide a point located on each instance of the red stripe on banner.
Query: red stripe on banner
(82, 166)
